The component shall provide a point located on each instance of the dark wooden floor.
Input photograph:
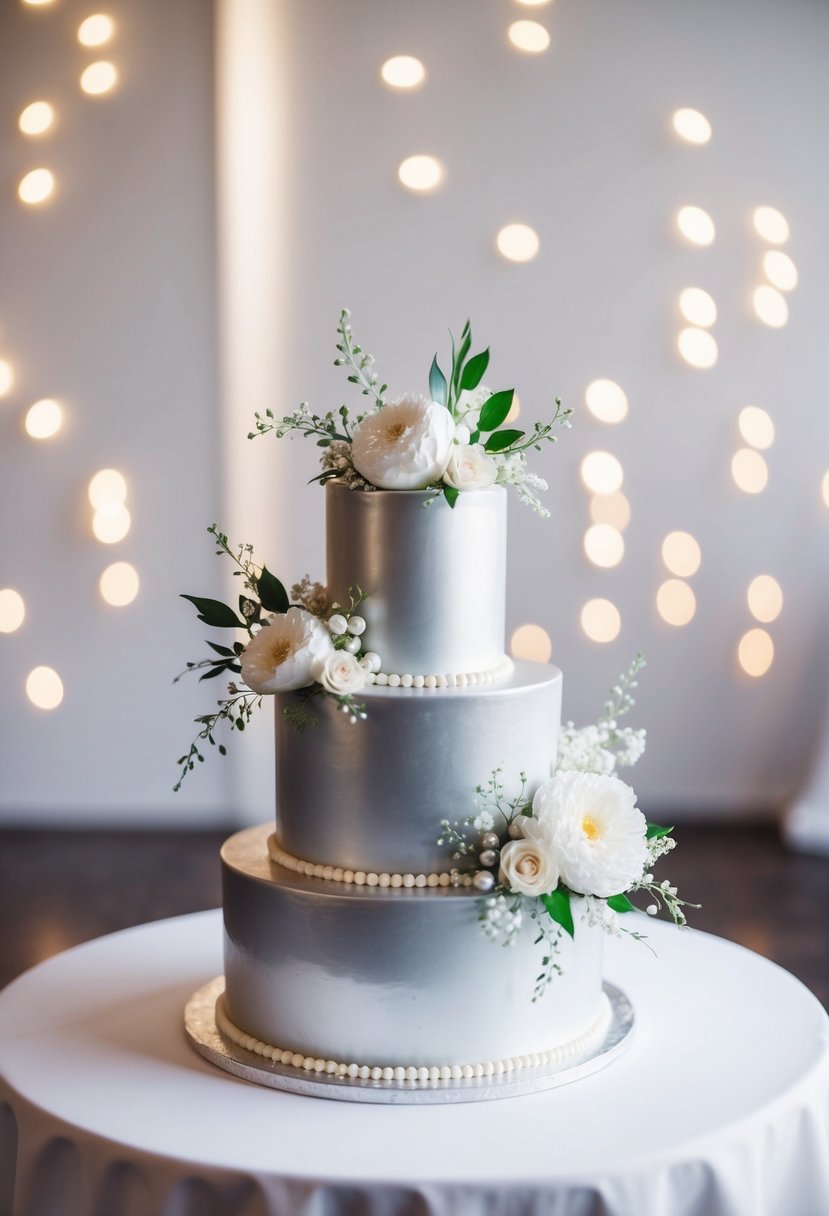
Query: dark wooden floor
(61, 888)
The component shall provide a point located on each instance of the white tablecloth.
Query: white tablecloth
(719, 1108)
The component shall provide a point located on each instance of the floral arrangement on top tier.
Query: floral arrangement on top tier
(449, 442)
(577, 850)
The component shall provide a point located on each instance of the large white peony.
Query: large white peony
(596, 831)
(341, 673)
(528, 865)
(285, 652)
(470, 468)
(405, 445)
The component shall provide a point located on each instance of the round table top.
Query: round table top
(725, 1085)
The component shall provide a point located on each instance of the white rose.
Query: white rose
(470, 468)
(284, 652)
(528, 866)
(341, 673)
(596, 831)
(405, 445)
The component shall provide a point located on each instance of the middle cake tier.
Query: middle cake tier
(370, 795)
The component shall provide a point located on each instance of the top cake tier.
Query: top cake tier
(433, 576)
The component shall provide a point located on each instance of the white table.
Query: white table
(719, 1108)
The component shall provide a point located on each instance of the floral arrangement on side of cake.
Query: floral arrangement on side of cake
(307, 644)
(580, 840)
(449, 442)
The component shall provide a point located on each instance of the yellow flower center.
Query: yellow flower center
(280, 651)
(590, 828)
(395, 431)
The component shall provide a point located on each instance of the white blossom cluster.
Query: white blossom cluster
(484, 822)
(337, 457)
(513, 471)
(599, 748)
(501, 919)
(596, 913)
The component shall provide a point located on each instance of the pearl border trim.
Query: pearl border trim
(363, 878)
(458, 679)
(412, 1073)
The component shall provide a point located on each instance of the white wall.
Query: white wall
(106, 300)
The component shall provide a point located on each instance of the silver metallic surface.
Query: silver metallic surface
(385, 977)
(370, 795)
(204, 1037)
(434, 577)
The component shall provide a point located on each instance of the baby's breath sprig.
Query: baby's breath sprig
(549, 935)
(359, 362)
(332, 427)
(236, 709)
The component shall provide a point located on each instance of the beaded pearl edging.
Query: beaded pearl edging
(363, 878)
(412, 1073)
(458, 679)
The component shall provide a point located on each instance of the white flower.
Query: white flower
(405, 445)
(528, 866)
(284, 652)
(596, 831)
(462, 433)
(341, 673)
(470, 468)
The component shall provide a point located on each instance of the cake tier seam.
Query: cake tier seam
(363, 878)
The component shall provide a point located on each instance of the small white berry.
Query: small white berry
(356, 625)
(651, 909)
(337, 624)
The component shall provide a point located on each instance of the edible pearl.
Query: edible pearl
(356, 625)
(489, 840)
(337, 624)
(516, 827)
(483, 880)
(353, 645)
(488, 858)
(372, 661)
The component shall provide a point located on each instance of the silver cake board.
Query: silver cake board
(205, 1037)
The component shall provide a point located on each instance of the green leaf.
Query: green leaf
(273, 595)
(499, 440)
(558, 905)
(214, 671)
(472, 374)
(620, 903)
(495, 409)
(223, 650)
(437, 383)
(463, 351)
(451, 495)
(655, 832)
(215, 613)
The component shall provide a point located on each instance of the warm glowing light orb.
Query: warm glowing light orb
(43, 419)
(420, 172)
(532, 3)
(691, 125)
(403, 72)
(697, 307)
(824, 488)
(765, 598)
(780, 270)
(107, 486)
(771, 225)
(111, 523)
(600, 620)
(528, 36)
(676, 602)
(602, 473)
(96, 30)
(38, 3)
(681, 554)
(12, 610)
(749, 470)
(6, 377)
(36, 187)
(36, 118)
(514, 409)
(531, 642)
(755, 652)
(44, 688)
(604, 545)
(606, 401)
(518, 242)
(613, 509)
(770, 306)
(697, 347)
(696, 225)
(119, 584)
(99, 78)
(756, 427)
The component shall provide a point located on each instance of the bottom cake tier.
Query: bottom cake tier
(386, 978)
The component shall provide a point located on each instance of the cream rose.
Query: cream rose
(596, 831)
(405, 445)
(528, 866)
(341, 673)
(284, 652)
(470, 468)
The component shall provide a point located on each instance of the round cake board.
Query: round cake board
(205, 1037)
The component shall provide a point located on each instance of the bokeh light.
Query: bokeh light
(12, 610)
(681, 554)
(36, 118)
(403, 72)
(755, 652)
(517, 242)
(107, 486)
(697, 347)
(119, 584)
(44, 688)
(756, 427)
(602, 473)
(6, 377)
(514, 409)
(780, 270)
(36, 187)
(420, 172)
(528, 36)
(111, 523)
(749, 470)
(770, 306)
(696, 225)
(96, 30)
(604, 546)
(697, 307)
(606, 401)
(771, 225)
(43, 419)
(531, 642)
(824, 488)
(691, 125)
(765, 598)
(676, 602)
(613, 509)
(99, 77)
(600, 620)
